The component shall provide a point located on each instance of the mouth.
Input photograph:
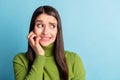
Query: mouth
(45, 39)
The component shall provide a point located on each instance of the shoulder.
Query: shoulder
(71, 56)
(20, 58)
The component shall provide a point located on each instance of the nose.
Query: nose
(45, 30)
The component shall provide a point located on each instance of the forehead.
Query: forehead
(46, 18)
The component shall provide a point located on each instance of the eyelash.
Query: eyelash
(52, 26)
(40, 25)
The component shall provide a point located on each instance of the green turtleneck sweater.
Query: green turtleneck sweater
(45, 65)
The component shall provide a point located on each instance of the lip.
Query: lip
(45, 38)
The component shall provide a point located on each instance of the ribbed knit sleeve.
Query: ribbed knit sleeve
(21, 68)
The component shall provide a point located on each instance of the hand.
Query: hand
(34, 43)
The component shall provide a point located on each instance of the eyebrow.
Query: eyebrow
(53, 23)
(38, 21)
(49, 22)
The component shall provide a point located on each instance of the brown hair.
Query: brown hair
(59, 55)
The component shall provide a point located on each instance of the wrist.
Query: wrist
(40, 53)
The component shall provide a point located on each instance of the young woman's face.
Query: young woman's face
(46, 28)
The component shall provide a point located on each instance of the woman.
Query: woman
(46, 58)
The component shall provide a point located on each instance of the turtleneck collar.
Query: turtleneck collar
(49, 50)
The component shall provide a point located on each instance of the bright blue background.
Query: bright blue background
(91, 28)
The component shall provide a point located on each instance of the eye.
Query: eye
(40, 25)
(52, 26)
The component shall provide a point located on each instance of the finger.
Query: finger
(31, 39)
(31, 33)
(37, 40)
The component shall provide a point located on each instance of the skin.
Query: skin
(44, 33)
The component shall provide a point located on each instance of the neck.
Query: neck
(49, 50)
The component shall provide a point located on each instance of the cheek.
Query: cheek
(37, 31)
(55, 34)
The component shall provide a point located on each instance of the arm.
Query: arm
(78, 69)
(36, 71)
(21, 68)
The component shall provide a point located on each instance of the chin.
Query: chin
(44, 45)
